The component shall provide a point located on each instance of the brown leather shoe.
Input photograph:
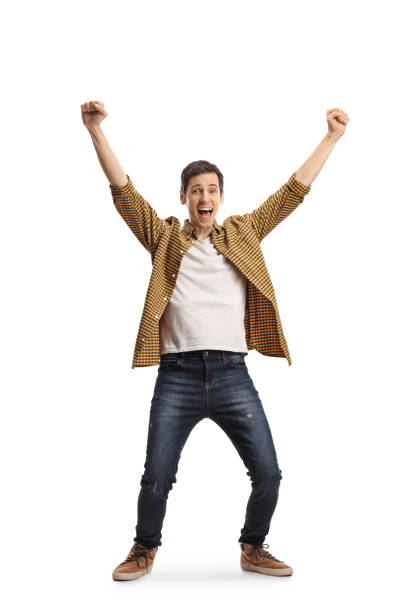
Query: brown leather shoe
(138, 562)
(257, 559)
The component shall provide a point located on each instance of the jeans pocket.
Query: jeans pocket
(235, 360)
(167, 363)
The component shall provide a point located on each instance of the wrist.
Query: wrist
(94, 129)
(331, 138)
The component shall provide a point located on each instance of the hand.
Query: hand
(337, 120)
(93, 113)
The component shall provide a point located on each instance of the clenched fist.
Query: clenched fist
(93, 113)
(337, 120)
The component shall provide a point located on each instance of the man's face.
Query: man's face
(203, 191)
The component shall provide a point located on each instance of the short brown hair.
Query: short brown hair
(199, 167)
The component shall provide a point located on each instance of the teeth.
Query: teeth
(207, 209)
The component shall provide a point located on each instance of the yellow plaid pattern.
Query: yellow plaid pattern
(238, 239)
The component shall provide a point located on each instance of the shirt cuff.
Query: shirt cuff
(122, 190)
(298, 187)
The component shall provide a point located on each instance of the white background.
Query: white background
(245, 85)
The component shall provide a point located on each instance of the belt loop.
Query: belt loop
(205, 354)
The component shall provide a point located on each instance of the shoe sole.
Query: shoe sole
(130, 576)
(268, 571)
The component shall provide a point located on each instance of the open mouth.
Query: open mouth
(205, 213)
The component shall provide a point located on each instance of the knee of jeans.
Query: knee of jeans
(271, 482)
(266, 478)
(273, 477)
(157, 487)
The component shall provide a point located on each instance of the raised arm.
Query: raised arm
(280, 204)
(138, 214)
(135, 210)
(277, 207)
(93, 113)
(337, 120)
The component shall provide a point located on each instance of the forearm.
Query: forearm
(312, 166)
(108, 160)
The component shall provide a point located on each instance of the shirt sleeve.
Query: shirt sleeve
(138, 214)
(278, 206)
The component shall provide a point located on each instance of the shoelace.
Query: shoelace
(138, 554)
(261, 552)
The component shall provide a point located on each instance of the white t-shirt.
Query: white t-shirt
(207, 306)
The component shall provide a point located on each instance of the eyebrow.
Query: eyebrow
(199, 185)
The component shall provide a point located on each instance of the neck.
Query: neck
(203, 236)
(202, 233)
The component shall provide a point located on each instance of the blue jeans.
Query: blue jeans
(192, 386)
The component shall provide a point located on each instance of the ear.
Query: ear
(222, 198)
(182, 198)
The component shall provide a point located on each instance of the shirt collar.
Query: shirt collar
(189, 228)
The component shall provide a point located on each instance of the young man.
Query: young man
(210, 300)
